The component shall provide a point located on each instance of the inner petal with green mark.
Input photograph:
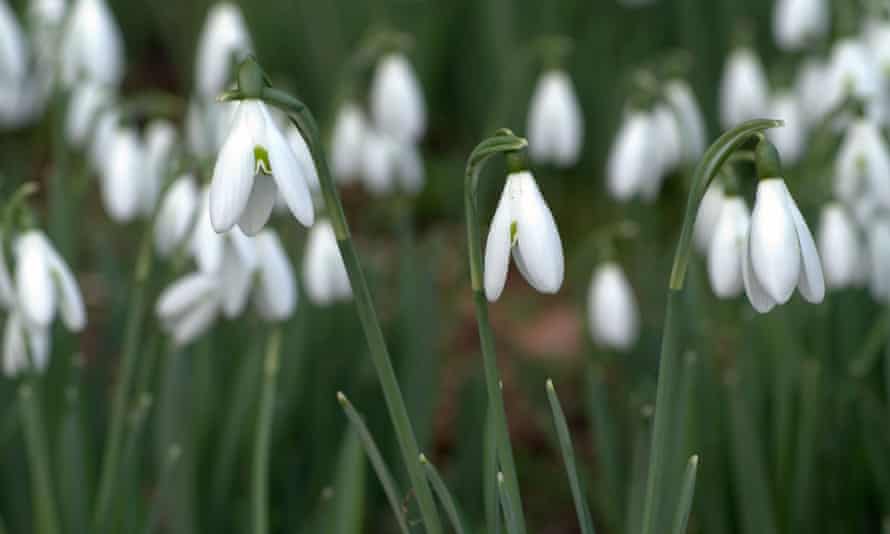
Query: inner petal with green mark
(513, 230)
(261, 159)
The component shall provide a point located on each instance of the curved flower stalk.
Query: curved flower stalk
(324, 274)
(223, 43)
(92, 47)
(555, 120)
(743, 89)
(727, 251)
(839, 247)
(797, 23)
(612, 309)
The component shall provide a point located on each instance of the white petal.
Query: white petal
(123, 178)
(185, 293)
(812, 282)
(276, 293)
(71, 303)
(92, 46)
(235, 280)
(555, 123)
(15, 355)
(396, 100)
(160, 145)
(497, 248)
(38, 346)
(725, 255)
(259, 205)
(773, 244)
(757, 295)
(224, 40)
(630, 162)
(409, 169)
(7, 292)
(304, 156)
(612, 308)
(233, 174)
(195, 322)
(838, 246)
(347, 140)
(13, 46)
(207, 245)
(681, 98)
(537, 235)
(289, 175)
(84, 105)
(378, 160)
(743, 89)
(36, 291)
(176, 215)
(706, 219)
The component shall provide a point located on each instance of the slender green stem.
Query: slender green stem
(130, 351)
(507, 506)
(45, 517)
(174, 453)
(259, 498)
(447, 500)
(681, 519)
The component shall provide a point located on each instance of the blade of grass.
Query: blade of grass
(507, 506)
(259, 495)
(347, 509)
(376, 459)
(687, 495)
(568, 456)
(448, 503)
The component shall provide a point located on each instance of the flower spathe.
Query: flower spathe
(255, 163)
(727, 249)
(612, 308)
(839, 247)
(396, 99)
(555, 121)
(524, 226)
(324, 273)
(780, 253)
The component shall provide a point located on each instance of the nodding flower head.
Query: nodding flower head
(224, 41)
(92, 47)
(612, 308)
(397, 104)
(555, 121)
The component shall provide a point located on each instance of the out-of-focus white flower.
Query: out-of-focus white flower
(13, 47)
(324, 273)
(255, 163)
(879, 254)
(176, 215)
(727, 251)
(798, 22)
(45, 284)
(304, 156)
(87, 100)
(810, 88)
(612, 308)
(347, 141)
(24, 344)
(224, 41)
(104, 131)
(668, 149)
(21, 102)
(92, 47)
(160, 145)
(706, 219)
(275, 296)
(631, 164)
(390, 165)
(743, 90)
(189, 307)
(692, 125)
(555, 121)
(839, 247)
(780, 252)
(523, 224)
(863, 164)
(851, 71)
(123, 179)
(7, 290)
(789, 139)
(397, 104)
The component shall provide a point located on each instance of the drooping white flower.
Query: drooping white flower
(176, 215)
(863, 164)
(668, 149)
(189, 307)
(523, 225)
(22, 102)
(123, 180)
(612, 308)
(275, 296)
(24, 344)
(87, 100)
(324, 273)
(798, 22)
(45, 284)
(706, 219)
(555, 120)
(347, 142)
(839, 247)
(224, 41)
(743, 90)
(780, 253)
(390, 165)
(630, 165)
(727, 251)
(92, 47)
(879, 254)
(255, 163)
(13, 47)
(851, 72)
(692, 124)
(810, 88)
(789, 139)
(160, 145)
(396, 99)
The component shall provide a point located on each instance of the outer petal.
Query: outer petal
(185, 293)
(235, 280)
(773, 245)
(497, 248)
(630, 162)
(276, 293)
(538, 237)
(233, 176)
(176, 215)
(397, 103)
(15, 355)
(378, 159)
(195, 322)
(707, 216)
(36, 290)
(812, 282)
(70, 299)
(259, 205)
(612, 309)
(289, 175)
(757, 295)
(409, 169)
(838, 246)
(123, 177)
(304, 157)
(38, 346)
(346, 142)
(207, 245)
(725, 255)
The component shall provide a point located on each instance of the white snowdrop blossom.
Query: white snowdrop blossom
(524, 226)
(123, 179)
(324, 273)
(92, 47)
(347, 141)
(879, 254)
(255, 163)
(743, 90)
(555, 121)
(706, 219)
(160, 145)
(630, 165)
(224, 41)
(668, 149)
(389, 165)
(612, 308)
(13, 47)
(396, 99)
(87, 100)
(189, 306)
(275, 296)
(780, 253)
(863, 164)
(692, 124)
(176, 215)
(851, 71)
(797, 23)
(727, 250)
(789, 140)
(810, 89)
(839, 247)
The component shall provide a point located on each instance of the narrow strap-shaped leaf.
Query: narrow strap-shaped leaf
(45, 515)
(174, 452)
(568, 456)
(445, 497)
(687, 493)
(507, 506)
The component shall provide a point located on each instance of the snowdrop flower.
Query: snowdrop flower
(780, 252)
(743, 90)
(189, 307)
(324, 273)
(798, 22)
(523, 225)
(45, 285)
(692, 124)
(255, 163)
(13, 47)
(160, 144)
(209, 248)
(176, 215)
(555, 121)
(810, 88)
(863, 164)
(347, 140)
(87, 100)
(706, 219)
(123, 177)
(630, 159)
(275, 296)
(22, 102)
(668, 149)
(879, 253)
(612, 308)
(839, 247)
(103, 134)
(24, 344)
(727, 251)
(390, 165)
(224, 41)
(789, 139)
(396, 100)
(92, 47)
(851, 71)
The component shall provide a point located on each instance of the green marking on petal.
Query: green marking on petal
(261, 159)
(513, 229)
